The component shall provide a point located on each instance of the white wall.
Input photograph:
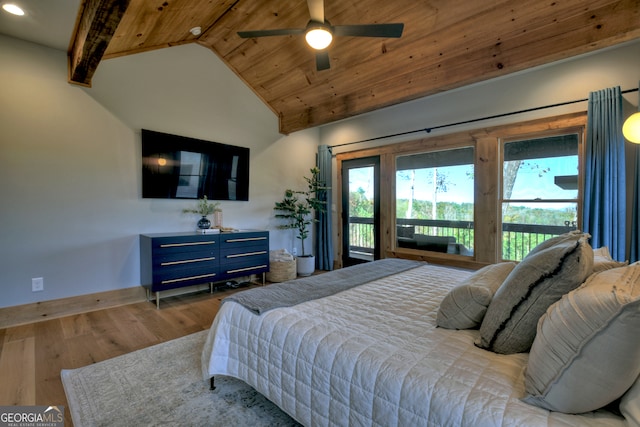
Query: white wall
(70, 208)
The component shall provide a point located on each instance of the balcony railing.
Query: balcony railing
(517, 239)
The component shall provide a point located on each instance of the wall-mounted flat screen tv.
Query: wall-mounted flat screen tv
(178, 167)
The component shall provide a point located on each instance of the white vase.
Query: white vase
(217, 218)
(306, 265)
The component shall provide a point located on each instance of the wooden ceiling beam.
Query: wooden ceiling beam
(95, 25)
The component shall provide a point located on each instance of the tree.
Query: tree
(440, 185)
(439, 182)
(410, 176)
(509, 175)
(359, 204)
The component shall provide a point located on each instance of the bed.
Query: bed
(371, 354)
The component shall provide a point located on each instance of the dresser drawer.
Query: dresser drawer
(244, 269)
(244, 239)
(235, 260)
(164, 259)
(177, 266)
(170, 278)
(169, 245)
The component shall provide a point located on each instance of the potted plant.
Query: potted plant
(204, 208)
(297, 208)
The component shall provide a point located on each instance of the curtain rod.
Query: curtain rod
(464, 122)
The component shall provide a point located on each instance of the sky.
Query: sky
(528, 185)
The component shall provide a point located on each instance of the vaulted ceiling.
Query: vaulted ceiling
(445, 44)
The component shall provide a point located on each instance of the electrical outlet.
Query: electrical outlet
(37, 284)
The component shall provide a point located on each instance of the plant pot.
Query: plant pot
(305, 265)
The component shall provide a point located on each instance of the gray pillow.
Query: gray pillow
(570, 236)
(509, 326)
(587, 350)
(465, 305)
(630, 405)
(602, 260)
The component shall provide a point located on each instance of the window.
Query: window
(540, 191)
(435, 201)
(497, 192)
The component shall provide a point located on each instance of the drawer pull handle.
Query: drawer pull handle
(246, 239)
(176, 245)
(187, 261)
(238, 270)
(247, 254)
(182, 279)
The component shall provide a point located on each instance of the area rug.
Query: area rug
(163, 385)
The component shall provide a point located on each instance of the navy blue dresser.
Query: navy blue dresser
(175, 260)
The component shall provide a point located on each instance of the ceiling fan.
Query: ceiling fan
(319, 32)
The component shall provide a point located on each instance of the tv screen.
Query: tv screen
(177, 167)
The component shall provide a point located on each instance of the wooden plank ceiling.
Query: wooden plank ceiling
(445, 44)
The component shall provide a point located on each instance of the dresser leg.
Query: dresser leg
(158, 300)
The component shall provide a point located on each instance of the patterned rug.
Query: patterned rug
(162, 385)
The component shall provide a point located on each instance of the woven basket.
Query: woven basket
(281, 271)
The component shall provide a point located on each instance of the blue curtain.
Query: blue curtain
(604, 193)
(324, 239)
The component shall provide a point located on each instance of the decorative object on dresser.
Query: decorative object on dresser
(204, 209)
(297, 209)
(176, 260)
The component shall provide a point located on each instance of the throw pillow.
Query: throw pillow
(465, 305)
(570, 236)
(587, 352)
(509, 326)
(630, 405)
(602, 260)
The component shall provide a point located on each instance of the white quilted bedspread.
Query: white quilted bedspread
(373, 356)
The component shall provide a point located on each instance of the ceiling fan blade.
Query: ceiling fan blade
(322, 60)
(316, 10)
(369, 30)
(266, 33)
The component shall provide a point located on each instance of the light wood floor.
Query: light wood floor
(32, 355)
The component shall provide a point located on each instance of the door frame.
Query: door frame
(344, 166)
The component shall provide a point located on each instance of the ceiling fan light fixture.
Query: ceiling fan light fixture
(631, 128)
(318, 37)
(13, 9)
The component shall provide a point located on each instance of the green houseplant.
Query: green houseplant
(204, 209)
(297, 208)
